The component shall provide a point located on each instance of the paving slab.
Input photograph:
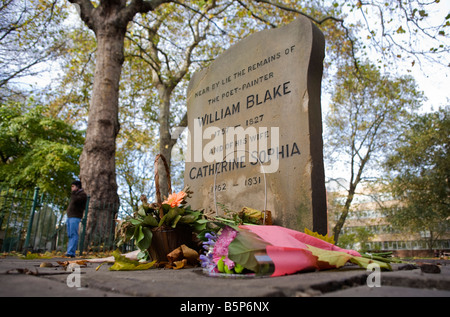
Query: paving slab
(95, 281)
(388, 291)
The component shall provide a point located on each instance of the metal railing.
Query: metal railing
(34, 222)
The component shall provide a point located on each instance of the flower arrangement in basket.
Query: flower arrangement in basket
(159, 228)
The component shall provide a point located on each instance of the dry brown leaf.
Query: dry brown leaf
(189, 254)
(162, 264)
(179, 264)
(175, 255)
(21, 271)
(181, 257)
(168, 265)
(78, 262)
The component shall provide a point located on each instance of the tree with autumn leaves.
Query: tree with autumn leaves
(368, 112)
(418, 177)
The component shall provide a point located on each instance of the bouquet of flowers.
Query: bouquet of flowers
(272, 250)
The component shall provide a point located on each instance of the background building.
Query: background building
(367, 228)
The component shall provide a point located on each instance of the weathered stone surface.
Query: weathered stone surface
(261, 98)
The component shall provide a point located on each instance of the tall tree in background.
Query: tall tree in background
(109, 21)
(367, 113)
(419, 177)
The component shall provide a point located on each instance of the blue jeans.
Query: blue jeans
(72, 232)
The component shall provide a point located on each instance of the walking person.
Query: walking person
(75, 212)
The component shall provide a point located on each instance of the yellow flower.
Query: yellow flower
(175, 199)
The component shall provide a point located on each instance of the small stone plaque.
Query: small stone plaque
(255, 128)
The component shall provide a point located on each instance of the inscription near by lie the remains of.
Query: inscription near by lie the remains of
(255, 130)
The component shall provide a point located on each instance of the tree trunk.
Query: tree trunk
(109, 20)
(340, 223)
(354, 181)
(166, 142)
(97, 161)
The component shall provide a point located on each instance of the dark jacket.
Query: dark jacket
(77, 204)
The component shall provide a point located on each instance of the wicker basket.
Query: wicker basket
(166, 239)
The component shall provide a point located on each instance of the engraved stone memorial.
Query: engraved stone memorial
(255, 128)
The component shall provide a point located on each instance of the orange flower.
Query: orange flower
(175, 199)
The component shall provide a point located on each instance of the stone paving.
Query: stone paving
(25, 278)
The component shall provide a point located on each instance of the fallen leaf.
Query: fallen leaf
(121, 266)
(429, 268)
(179, 264)
(34, 256)
(65, 264)
(98, 267)
(168, 265)
(329, 259)
(321, 237)
(130, 255)
(190, 254)
(162, 264)
(21, 271)
(124, 264)
(175, 255)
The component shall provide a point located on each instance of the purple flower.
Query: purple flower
(208, 263)
(211, 236)
(204, 259)
(207, 260)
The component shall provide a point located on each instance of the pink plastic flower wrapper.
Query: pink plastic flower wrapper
(289, 251)
(221, 247)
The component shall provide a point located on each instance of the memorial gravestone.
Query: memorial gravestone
(255, 128)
